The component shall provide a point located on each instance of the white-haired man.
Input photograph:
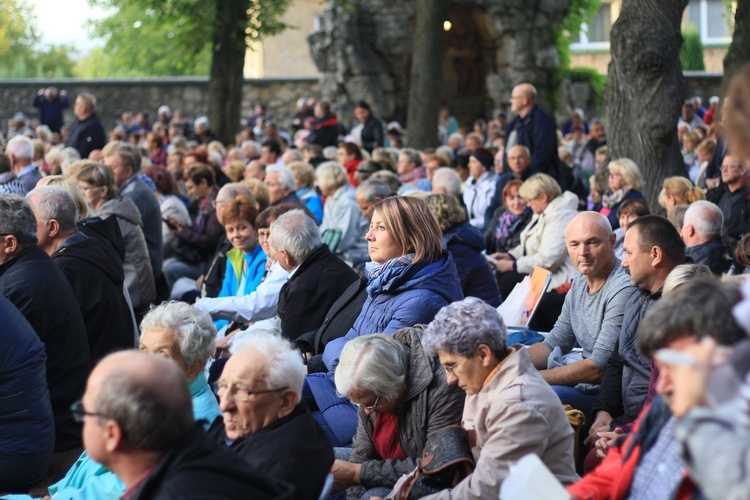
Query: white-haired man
(20, 150)
(701, 232)
(265, 422)
(281, 185)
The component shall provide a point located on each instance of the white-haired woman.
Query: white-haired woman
(510, 410)
(341, 212)
(625, 182)
(402, 398)
(174, 330)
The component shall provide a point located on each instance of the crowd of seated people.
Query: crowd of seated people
(327, 303)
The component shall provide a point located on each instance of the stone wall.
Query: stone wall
(190, 94)
(364, 53)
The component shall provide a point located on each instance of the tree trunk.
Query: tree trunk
(645, 90)
(227, 65)
(739, 50)
(426, 80)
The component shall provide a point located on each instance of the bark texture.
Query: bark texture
(645, 89)
(426, 73)
(225, 84)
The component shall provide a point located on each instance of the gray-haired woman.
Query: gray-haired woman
(402, 398)
(510, 410)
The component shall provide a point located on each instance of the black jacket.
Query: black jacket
(337, 323)
(712, 254)
(373, 134)
(197, 468)
(87, 135)
(538, 132)
(736, 209)
(43, 295)
(465, 243)
(213, 277)
(93, 267)
(294, 449)
(305, 299)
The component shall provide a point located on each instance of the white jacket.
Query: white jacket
(543, 241)
(261, 304)
(478, 196)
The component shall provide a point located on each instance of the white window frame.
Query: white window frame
(703, 28)
(584, 44)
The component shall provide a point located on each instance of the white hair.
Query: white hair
(286, 176)
(376, 363)
(21, 147)
(285, 366)
(447, 178)
(706, 218)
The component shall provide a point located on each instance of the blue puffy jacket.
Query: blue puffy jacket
(465, 243)
(26, 424)
(400, 297)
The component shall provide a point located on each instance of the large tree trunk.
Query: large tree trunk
(645, 89)
(739, 50)
(426, 80)
(227, 64)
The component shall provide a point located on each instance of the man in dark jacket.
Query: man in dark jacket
(137, 415)
(265, 421)
(732, 196)
(91, 264)
(51, 104)
(86, 133)
(701, 231)
(535, 129)
(125, 162)
(26, 423)
(652, 249)
(326, 128)
(318, 277)
(30, 280)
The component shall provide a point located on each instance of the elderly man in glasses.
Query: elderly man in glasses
(265, 421)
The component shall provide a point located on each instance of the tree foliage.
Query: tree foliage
(21, 55)
(170, 37)
(691, 53)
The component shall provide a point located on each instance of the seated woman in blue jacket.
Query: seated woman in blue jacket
(246, 261)
(410, 279)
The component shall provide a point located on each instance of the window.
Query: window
(596, 33)
(709, 19)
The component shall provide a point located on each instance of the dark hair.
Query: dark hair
(363, 105)
(352, 149)
(164, 181)
(485, 157)
(200, 171)
(4, 163)
(701, 307)
(633, 206)
(273, 146)
(462, 160)
(655, 231)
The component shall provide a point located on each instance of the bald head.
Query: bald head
(591, 247)
(523, 98)
(147, 396)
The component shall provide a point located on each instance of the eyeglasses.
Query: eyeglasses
(79, 412)
(368, 407)
(264, 234)
(238, 393)
(451, 368)
(88, 188)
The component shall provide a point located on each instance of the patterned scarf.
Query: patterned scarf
(507, 224)
(609, 200)
(374, 269)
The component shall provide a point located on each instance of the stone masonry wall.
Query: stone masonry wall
(190, 94)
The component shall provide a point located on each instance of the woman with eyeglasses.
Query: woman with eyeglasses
(98, 185)
(510, 411)
(173, 330)
(410, 279)
(401, 397)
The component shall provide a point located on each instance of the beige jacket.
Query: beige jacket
(515, 414)
(543, 241)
